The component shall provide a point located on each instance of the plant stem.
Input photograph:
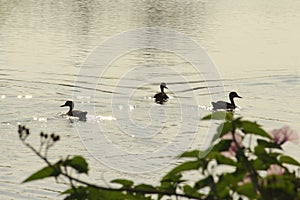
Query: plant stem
(71, 179)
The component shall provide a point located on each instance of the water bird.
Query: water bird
(74, 113)
(225, 105)
(161, 97)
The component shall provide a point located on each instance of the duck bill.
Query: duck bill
(239, 96)
(62, 105)
(166, 87)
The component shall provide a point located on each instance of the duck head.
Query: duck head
(162, 86)
(68, 103)
(233, 95)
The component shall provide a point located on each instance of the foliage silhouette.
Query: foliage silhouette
(258, 168)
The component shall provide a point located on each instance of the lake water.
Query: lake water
(54, 51)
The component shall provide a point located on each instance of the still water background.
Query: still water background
(43, 44)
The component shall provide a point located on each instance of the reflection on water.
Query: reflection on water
(44, 43)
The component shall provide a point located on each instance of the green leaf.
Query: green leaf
(109, 195)
(258, 164)
(145, 187)
(167, 185)
(224, 128)
(230, 179)
(190, 154)
(288, 160)
(83, 192)
(203, 182)
(46, 172)
(280, 187)
(170, 181)
(78, 163)
(224, 160)
(267, 144)
(223, 145)
(222, 187)
(260, 150)
(219, 115)
(76, 193)
(186, 166)
(253, 128)
(248, 190)
(264, 158)
(96, 194)
(187, 189)
(68, 191)
(124, 182)
(91, 193)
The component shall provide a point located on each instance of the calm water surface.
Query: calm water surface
(43, 44)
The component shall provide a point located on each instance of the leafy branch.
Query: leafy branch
(258, 171)
(80, 165)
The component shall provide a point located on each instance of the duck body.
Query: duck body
(74, 113)
(161, 97)
(222, 105)
(225, 105)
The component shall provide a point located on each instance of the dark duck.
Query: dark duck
(225, 105)
(74, 113)
(161, 97)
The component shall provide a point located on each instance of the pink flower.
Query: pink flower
(233, 146)
(275, 170)
(247, 179)
(284, 134)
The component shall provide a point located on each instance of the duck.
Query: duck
(161, 97)
(74, 113)
(225, 105)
